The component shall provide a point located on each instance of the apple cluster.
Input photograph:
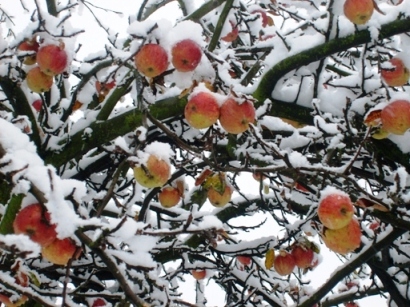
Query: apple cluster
(51, 60)
(34, 221)
(342, 232)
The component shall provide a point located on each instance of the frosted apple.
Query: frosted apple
(358, 11)
(186, 55)
(37, 81)
(60, 251)
(198, 274)
(29, 45)
(219, 199)
(202, 110)
(343, 240)
(169, 196)
(245, 260)
(284, 263)
(335, 210)
(151, 60)
(236, 115)
(303, 256)
(395, 117)
(34, 221)
(154, 173)
(52, 59)
(396, 76)
(232, 35)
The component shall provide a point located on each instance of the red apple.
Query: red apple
(8, 303)
(395, 117)
(169, 196)
(52, 59)
(358, 11)
(99, 302)
(154, 173)
(236, 116)
(219, 199)
(37, 81)
(343, 240)
(284, 263)
(34, 221)
(37, 104)
(335, 210)
(186, 55)
(151, 60)
(396, 76)
(60, 251)
(198, 274)
(29, 45)
(245, 260)
(232, 35)
(303, 256)
(202, 110)
(351, 304)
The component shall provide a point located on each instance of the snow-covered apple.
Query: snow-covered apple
(52, 59)
(151, 60)
(343, 240)
(34, 221)
(37, 81)
(358, 11)
(202, 110)
(198, 274)
(186, 55)
(232, 35)
(29, 45)
(60, 251)
(284, 263)
(303, 256)
(245, 260)
(169, 196)
(397, 75)
(236, 115)
(395, 117)
(99, 302)
(154, 173)
(220, 199)
(335, 210)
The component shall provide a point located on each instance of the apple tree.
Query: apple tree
(230, 144)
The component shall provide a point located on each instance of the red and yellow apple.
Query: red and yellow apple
(343, 240)
(358, 11)
(236, 115)
(37, 81)
(219, 199)
(52, 59)
(245, 260)
(303, 256)
(335, 210)
(202, 110)
(151, 60)
(154, 173)
(395, 117)
(186, 55)
(169, 196)
(29, 45)
(198, 274)
(396, 76)
(34, 221)
(284, 263)
(60, 251)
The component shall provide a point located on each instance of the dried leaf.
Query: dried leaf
(269, 258)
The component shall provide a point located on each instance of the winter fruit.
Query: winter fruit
(343, 240)
(202, 110)
(395, 117)
(151, 60)
(303, 256)
(37, 104)
(232, 35)
(219, 199)
(169, 196)
(29, 45)
(335, 210)
(37, 81)
(99, 302)
(284, 263)
(103, 89)
(236, 116)
(60, 251)
(245, 260)
(198, 274)
(8, 303)
(186, 55)
(34, 222)
(358, 11)
(396, 76)
(154, 173)
(52, 59)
